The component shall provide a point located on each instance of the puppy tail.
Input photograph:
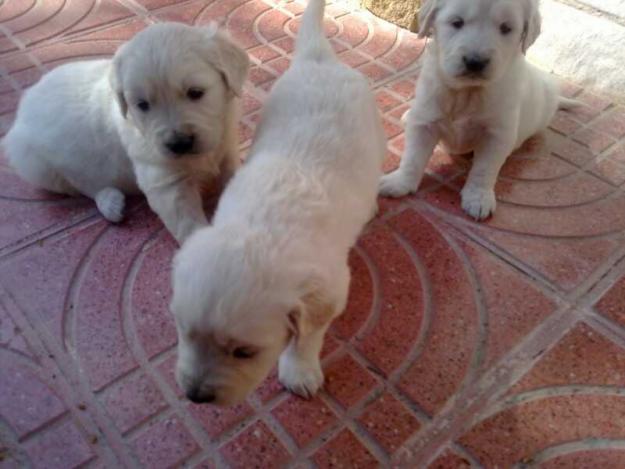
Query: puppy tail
(566, 104)
(311, 41)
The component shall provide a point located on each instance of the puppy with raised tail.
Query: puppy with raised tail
(160, 117)
(476, 93)
(263, 283)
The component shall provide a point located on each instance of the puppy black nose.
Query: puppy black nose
(180, 143)
(475, 63)
(201, 397)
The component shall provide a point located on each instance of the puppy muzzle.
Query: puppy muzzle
(180, 144)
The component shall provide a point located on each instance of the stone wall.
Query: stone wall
(400, 12)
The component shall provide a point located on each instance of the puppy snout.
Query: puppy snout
(201, 396)
(180, 143)
(475, 63)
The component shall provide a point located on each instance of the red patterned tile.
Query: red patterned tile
(355, 30)
(280, 65)
(303, 419)
(272, 24)
(359, 302)
(269, 388)
(48, 268)
(167, 370)
(239, 23)
(401, 309)
(519, 432)
(404, 87)
(406, 53)
(514, 306)
(581, 357)
(165, 443)
(374, 72)
(344, 451)
(154, 4)
(26, 400)
(53, 18)
(100, 337)
(389, 422)
(264, 53)
(131, 401)
(383, 39)
(216, 420)
(605, 458)
(564, 124)
(449, 460)
(347, 381)
(453, 337)
(353, 58)
(259, 75)
(612, 122)
(612, 304)
(597, 141)
(257, 443)
(593, 106)
(61, 446)
(386, 101)
(151, 294)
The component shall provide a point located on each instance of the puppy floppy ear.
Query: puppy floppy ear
(531, 24)
(314, 309)
(231, 61)
(116, 81)
(427, 15)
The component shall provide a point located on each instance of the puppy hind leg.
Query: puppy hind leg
(111, 202)
(34, 168)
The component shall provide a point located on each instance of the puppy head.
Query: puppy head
(235, 309)
(174, 83)
(476, 40)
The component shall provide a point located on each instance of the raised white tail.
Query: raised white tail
(311, 42)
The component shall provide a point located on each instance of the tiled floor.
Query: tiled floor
(463, 344)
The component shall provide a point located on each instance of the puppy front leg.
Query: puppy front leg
(478, 193)
(299, 368)
(179, 206)
(420, 142)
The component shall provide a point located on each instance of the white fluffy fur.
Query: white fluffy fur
(491, 113)
(268, 277)
(79, 129)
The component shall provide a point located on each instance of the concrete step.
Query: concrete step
(584, 41)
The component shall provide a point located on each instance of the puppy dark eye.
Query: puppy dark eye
(195, 93)
(505, 29)
(458, 23)
(244, 352)
(143, 105)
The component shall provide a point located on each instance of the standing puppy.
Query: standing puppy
(162, 113)
(270, 274)
(476, 93)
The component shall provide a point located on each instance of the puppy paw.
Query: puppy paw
(478, 203)
(397, 184)
(303, 378)
(404, 118)
(111, 203)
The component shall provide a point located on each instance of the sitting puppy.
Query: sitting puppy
(476, 93)
(162, 114)
(270, 274)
